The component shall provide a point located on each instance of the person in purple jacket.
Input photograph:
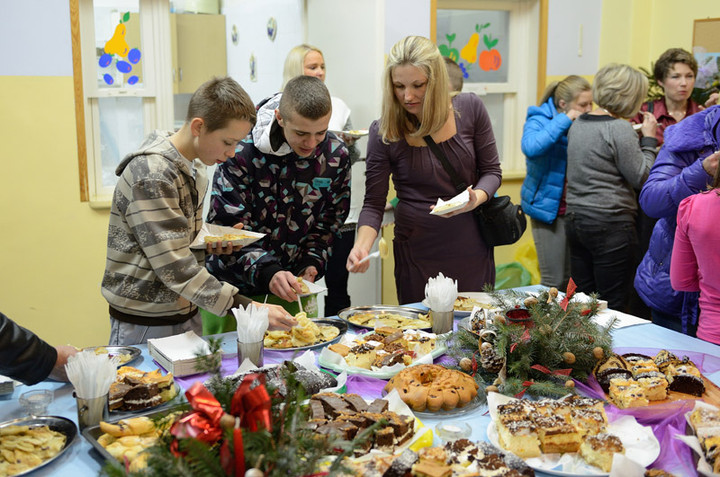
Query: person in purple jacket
(684, 166)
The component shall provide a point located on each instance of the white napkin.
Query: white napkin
(441, 293)
(91, 374)
(252, 323)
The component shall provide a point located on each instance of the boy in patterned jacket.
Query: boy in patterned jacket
(154, 282)
(291, 181)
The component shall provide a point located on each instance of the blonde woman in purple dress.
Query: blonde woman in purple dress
(416, 103)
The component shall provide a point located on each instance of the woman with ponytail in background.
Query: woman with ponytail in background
(544, 143)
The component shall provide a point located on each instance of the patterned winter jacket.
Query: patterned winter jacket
(300, 203)
(152, 276)
(676, 174)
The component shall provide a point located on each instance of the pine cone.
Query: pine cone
(490, 361)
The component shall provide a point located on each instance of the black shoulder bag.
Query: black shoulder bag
(500, 221)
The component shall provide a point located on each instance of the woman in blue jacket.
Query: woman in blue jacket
(544, 143)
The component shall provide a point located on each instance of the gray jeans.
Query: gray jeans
(553, 252)
(125, 334)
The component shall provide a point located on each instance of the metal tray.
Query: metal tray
(118, 350)
(93, 433)
(339, 324)
(405, 311)
(55, 423)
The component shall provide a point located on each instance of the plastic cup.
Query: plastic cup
(251, 351)
(36, 402)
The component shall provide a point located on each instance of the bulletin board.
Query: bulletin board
(706, 33)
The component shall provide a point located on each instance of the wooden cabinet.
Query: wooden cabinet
(199, 50)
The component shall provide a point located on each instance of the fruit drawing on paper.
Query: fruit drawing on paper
(448, 50)
(469, 51)
(490, 58)
(117, 46)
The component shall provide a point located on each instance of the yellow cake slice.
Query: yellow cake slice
(599, 450)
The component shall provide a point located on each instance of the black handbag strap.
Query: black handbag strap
(459, 184)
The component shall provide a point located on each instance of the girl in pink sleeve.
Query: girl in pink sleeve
(695, 262)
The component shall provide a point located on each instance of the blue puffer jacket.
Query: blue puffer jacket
(544, 143)
(677, 174)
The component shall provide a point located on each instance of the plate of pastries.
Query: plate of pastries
(135, 390)
(27, 444)
(125, 440)
(210, 233)
(637, 379)
(569, 436)
(381, 353)
(307, 334)
(398, 317)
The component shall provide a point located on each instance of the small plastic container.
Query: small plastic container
(452, 431)
(36, 402)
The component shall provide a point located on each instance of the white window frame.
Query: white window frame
(156, 91)
(520, 90)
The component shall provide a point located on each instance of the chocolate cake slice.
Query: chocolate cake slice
(117, 393)
(604, 376)
(356, 402)
(333, 404)
(402, 466)
(378, 406)
(141, 396)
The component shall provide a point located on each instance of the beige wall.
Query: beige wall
(53, 246)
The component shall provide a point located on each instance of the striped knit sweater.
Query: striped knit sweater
(152, 277)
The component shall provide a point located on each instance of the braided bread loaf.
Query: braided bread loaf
(433, 387)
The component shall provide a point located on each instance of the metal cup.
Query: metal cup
(92, 411)
(442, 321)
(251, 351)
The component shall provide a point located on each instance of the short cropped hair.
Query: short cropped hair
(455, 74)
(667, 60)
(619, 89)
(307, 96)
(295, 62)
(566, 90)
(395, 121)
(220, 100)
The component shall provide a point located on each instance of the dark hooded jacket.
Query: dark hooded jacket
(676, 174)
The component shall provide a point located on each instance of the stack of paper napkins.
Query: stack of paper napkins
(178, 354)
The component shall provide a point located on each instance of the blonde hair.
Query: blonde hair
(619, 89)
(566, 90)
(295, 62)
(395, 121)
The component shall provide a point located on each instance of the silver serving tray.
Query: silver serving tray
(404, 311)
(55, 423)
(93, 433)
(339, 324)
(118, 350)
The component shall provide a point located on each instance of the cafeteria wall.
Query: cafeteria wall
(53, 245)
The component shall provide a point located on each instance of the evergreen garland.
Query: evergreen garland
(289, 448)
(562, 341)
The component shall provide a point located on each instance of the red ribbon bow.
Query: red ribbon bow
(568, 294)
(251, 407)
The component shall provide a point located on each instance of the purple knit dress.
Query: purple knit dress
(425, 244)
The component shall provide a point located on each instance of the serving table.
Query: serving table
(82, 460)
